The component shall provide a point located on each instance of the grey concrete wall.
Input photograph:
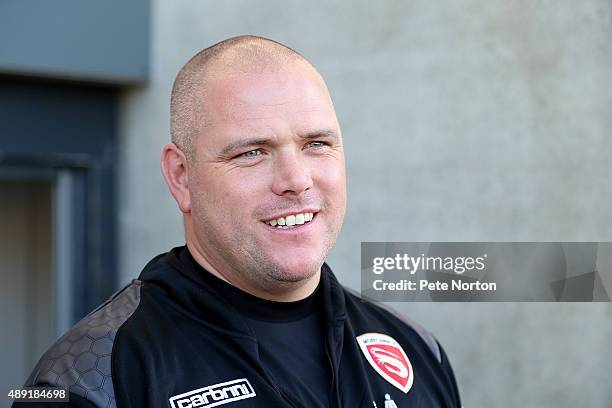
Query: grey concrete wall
(463, 120)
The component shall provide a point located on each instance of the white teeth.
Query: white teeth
(291, 220)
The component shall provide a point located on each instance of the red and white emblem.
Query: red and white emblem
(388, 358)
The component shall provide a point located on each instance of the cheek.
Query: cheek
(331, 179)
(235, 194)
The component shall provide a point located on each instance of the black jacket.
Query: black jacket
(168, 339)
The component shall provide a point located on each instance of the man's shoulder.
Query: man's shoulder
(369, 312)
(81, 359)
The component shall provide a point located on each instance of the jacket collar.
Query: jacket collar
(182, 281)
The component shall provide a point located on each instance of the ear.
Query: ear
(174, 169)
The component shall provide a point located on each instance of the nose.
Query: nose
(291, 175)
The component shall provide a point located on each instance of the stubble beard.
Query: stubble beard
(240, 258)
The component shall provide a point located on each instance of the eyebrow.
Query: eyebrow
(320, 134)
(263, 141)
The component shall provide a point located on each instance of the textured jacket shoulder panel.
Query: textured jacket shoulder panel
(81, 359)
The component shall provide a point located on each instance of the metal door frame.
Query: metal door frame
(65, 134)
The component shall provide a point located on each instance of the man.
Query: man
(247, 314)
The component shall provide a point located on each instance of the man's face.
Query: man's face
(270, 154)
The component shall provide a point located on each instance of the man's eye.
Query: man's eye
(316, 144)
(251, 153)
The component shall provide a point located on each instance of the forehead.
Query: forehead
(289, 99)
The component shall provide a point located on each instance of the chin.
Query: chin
(297, 270)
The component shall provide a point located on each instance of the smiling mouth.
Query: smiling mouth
(291, 221)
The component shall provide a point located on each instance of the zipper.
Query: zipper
(264, 373)
(278, 390)
(332, 391)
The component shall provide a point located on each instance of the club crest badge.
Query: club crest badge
(387, 357)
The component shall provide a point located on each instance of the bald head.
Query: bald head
(234, 56)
